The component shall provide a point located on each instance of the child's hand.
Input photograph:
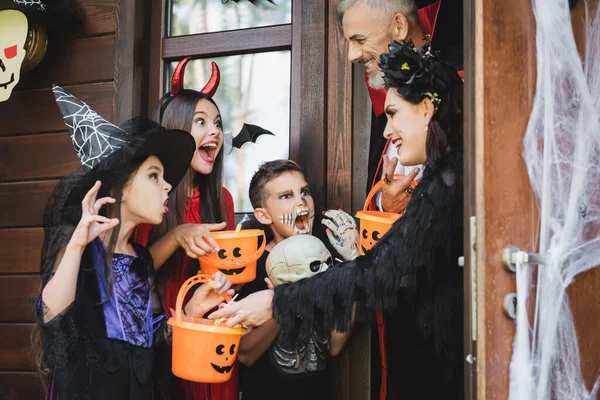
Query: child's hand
(91, 224)
(196, 239)
(342, 233)
(208, 296)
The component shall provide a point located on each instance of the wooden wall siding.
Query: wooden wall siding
(25, 385)
(98, 17)
(19, 294)
(21, 250)
(22, 203)
(15, 352)
(73, 62)
(35, 150)
(35, 156)
(35, 111)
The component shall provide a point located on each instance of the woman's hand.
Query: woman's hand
(91, 224)
(394, 195)
(196, 239)
(208, 296)
(254, 310)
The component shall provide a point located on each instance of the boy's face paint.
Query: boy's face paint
(290, 205)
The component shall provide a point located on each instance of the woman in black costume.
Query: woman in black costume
(412, 272)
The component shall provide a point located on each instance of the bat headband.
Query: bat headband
(177, 83)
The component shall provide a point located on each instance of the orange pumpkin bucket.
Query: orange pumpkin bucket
(202, 352)
(375, 224)
(237, 257)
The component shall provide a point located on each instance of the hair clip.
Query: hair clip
(435, 99)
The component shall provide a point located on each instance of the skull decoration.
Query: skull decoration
(13, 33)
(297, 257)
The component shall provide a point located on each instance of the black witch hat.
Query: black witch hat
(96, 140)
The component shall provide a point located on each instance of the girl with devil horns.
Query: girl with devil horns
(412, 272)
(199, 205)
(97, 315)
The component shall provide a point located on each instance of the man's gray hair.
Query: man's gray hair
(386, 8)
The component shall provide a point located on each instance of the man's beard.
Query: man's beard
(376, 81)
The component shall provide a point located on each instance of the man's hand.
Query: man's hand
(395, 194)
(342, 233)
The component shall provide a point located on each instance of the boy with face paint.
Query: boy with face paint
(281, 199)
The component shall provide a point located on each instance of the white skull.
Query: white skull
(297, 257)
(13, 32)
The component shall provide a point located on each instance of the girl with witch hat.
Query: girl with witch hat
(200, 204)
(96, 314)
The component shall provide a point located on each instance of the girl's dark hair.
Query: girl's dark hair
(179, 114)
(416, 74)
(63, 213)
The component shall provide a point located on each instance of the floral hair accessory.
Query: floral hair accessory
(416, 72)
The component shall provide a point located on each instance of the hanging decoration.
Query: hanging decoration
(562, 153)
(24, 26)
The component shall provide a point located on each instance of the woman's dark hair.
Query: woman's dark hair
(179, 114)
(416, 73)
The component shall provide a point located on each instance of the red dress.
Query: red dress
(176, 277)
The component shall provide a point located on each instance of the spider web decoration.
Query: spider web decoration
(93, 137)
(32, 3)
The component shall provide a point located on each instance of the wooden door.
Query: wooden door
(501, 87)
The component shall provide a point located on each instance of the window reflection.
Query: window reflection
(203, 16)
(254, 89)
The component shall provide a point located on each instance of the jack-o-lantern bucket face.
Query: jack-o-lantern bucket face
(202, 352)
(237, 256)
(225, 357)
(373, 225)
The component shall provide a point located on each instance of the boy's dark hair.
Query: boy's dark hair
(265, 174)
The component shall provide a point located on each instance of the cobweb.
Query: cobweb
(562, 153)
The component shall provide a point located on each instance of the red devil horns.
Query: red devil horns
(177, 80)
(213, 82)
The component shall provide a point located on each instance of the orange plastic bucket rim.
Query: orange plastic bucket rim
(206, 325)
(380, 217)
(234, 235)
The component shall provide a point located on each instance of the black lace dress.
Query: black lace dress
(101, 346)
(413, 274)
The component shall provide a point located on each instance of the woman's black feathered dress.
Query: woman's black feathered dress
(413, 275)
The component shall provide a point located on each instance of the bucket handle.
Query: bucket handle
(200, 278)
(255, 256)
(376, 188)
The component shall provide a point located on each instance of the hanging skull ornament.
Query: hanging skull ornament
(13, 34)
(297, 257)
